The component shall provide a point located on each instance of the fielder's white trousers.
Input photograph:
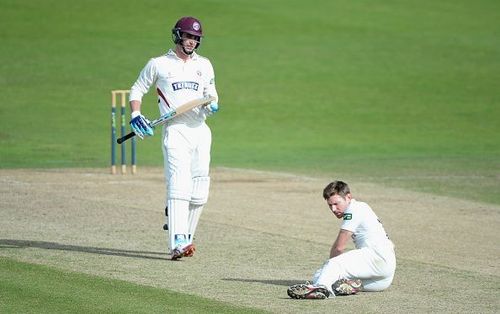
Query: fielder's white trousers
(374, 266)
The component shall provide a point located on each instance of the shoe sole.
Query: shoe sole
(303, 292)
(347, 287)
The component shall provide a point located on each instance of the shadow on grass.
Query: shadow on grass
(275, 282)
(21, 244)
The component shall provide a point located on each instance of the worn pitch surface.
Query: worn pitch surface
(259, 233)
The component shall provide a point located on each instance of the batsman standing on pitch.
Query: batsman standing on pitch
(180, 75)
(370, 267)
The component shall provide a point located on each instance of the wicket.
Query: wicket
(122, 95)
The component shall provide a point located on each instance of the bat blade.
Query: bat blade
(182, 109)
(172, 114)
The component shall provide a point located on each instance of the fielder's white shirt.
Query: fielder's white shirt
(177, 82)
(367, 229)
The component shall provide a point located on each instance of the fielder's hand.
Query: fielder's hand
(212, 108)
(140, 125)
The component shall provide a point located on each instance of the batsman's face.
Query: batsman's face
(339, 204)
(189, 41)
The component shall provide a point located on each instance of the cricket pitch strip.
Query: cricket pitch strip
(260, 232)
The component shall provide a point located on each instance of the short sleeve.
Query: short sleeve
(351, 221)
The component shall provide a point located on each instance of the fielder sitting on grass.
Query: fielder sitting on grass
(370, 267)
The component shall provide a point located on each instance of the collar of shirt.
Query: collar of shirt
(350, 206)
(172, 53)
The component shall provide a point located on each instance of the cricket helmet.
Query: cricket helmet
(187, 24)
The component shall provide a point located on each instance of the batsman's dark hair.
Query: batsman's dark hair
(336, 187)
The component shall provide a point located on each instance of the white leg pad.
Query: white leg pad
(199, 197)
(178, 213)
(199, 194)
(194, 218)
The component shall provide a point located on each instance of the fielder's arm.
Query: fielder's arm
(340, 243)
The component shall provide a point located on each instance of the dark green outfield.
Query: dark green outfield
(29, 288)
(402, 92)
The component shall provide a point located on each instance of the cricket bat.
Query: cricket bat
(172, 114)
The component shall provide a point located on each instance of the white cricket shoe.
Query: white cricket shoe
(307, 291)
(186, 251)
(347, 286)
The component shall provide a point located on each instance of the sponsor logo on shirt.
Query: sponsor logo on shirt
(185, 85)
(347, 216)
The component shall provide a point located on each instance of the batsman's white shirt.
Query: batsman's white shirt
(177, 82)
(373, 261)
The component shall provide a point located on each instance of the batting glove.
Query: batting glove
(212, 108)
(140, 125)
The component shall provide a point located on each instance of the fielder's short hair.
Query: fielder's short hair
(336, 187)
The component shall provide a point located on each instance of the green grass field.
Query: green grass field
(28, 288)
(378, 90)
(403, 93)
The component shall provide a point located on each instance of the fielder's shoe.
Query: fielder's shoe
(307, 291)
(347, 286)
(186, 251)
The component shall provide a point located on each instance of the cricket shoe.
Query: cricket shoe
(186, 251)
(347, 286)
(308, 291)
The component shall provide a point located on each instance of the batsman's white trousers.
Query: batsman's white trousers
(186, 155)
(375, 266)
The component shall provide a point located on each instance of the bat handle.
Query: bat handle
(126, 137)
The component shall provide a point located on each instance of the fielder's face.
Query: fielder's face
(339, 204)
